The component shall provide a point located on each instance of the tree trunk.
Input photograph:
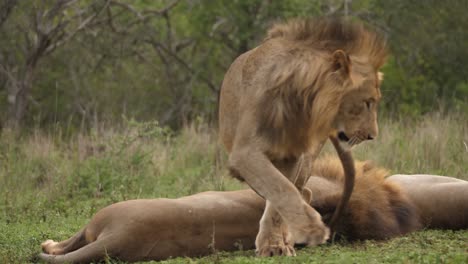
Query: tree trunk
(18, 97)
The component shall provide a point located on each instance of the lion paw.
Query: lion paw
(274, 241)
(275, 250)
(310, 230)
(312, 236)
(48, 246)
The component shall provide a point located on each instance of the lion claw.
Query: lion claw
(276, 250)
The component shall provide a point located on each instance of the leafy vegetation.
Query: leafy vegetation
(81, 63)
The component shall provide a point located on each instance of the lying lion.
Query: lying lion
(380, 208)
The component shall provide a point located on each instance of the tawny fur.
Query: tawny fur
(331, 35)
(197, 225)
(310, 79)
(289, 98)
(378, 209)
(442, 201)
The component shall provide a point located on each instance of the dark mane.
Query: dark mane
(378, 208)
(331, 34)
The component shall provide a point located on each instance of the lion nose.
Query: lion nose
(370, 137)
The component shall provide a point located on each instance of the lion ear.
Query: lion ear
(380, 77)
(341, 62)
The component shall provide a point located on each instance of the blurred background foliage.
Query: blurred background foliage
(81, 63)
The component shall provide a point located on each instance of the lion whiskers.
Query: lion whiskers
(355, 140)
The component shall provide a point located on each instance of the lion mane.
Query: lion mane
(290, 97)
(378, 208)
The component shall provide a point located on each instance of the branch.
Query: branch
(59, 6)
(142, 15)
(110, 22)
(63, 38)
(163, 11)
(58, 36)
(127, 7)
(179, 60)
(5, 10)
(9, 75)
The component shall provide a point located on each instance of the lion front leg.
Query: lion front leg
(273, 238)
(304, 223)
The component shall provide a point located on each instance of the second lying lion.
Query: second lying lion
(196, 225)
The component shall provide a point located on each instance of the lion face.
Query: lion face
(356, 120)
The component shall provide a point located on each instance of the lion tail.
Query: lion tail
(349, 179)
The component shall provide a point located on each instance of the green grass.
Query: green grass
(51, 184)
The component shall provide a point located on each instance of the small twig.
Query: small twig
(183, 63)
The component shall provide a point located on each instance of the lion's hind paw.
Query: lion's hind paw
(48, 246)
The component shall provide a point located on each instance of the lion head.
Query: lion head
(356, 120)
(331, 71)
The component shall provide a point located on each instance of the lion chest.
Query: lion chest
(289, 143)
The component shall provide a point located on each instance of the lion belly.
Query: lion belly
(190, 226)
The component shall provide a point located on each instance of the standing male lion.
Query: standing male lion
(279, 102)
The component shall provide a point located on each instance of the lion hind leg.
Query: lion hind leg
(91, 252)
(58, 248)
